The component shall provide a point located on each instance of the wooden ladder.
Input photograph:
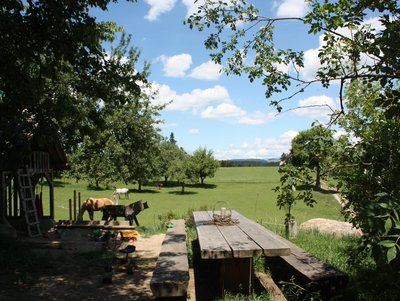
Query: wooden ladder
(28, 204)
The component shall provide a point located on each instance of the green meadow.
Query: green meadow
(244, 189)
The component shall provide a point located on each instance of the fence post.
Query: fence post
(70, 209)
(74, 205)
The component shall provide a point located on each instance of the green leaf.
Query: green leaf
(391, 254)
(384, 205)
(387, 243)
(388, 225)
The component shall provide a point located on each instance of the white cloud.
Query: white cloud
(208, 103)
(195, 100)
(311, 64)
(258, 118)
(175, 66)
(191, 6)
(316, 107)
(158, 7)
(194, 131)
(222, 110)
(259, 148)
(292, 8)
(207, 71)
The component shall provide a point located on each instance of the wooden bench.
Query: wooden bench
(308, 270)
(171, 274)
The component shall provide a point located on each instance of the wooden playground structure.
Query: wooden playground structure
(22, 169)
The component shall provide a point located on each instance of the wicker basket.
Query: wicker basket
(224, 215)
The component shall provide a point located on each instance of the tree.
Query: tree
(170, 153)
(93, 161)
(313, 148)
(124, 147)
(250, 48)
(135, 141)
(290, 190)
(204, 164)
(54, 72)
(56, 77)
(183, 171)
(172, 138)
(369, 171)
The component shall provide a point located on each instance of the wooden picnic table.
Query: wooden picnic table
(234, 246)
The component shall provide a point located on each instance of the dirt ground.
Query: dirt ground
(83, 279)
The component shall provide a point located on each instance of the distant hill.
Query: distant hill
(249, 162)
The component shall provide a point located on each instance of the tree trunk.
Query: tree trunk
(140, 185)
(183, 187)
(202, 180)
(318, 178)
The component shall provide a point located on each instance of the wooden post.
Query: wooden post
(79, 204)
(291, 229)
(236, 275)
(50, 180)
(74, 205)
(70, 209)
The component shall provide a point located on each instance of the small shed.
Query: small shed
(26, 162)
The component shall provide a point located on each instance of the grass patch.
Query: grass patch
(253, 297)
(247, 190)
(366, 281)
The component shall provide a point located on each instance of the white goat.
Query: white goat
(123, 191)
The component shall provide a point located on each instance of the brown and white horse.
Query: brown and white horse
(92, 204)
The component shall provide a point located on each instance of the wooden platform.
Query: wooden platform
(111, 225)
(171, 274)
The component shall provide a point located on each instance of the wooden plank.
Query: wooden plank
(171, 274)
(310, 266)
(240, 242)
(270, 243)
(212, 244)
(112, 225)
(269, 285)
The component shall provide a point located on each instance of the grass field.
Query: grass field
(244, 189)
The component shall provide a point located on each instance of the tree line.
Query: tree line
(109, 160)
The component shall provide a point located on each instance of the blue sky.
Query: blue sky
(226, 114)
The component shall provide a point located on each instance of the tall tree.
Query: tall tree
(313, 148)
(127, 133)
(54, 72)
(369, 170)
(170, 153)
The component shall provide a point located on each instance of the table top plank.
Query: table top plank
(269, 242)
(241, 244)
(245, 239)
(212, 244)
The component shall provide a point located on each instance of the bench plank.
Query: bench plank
(212, 244)
(171, 274)
(310, 266)
(309, 269)
(271, 244)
